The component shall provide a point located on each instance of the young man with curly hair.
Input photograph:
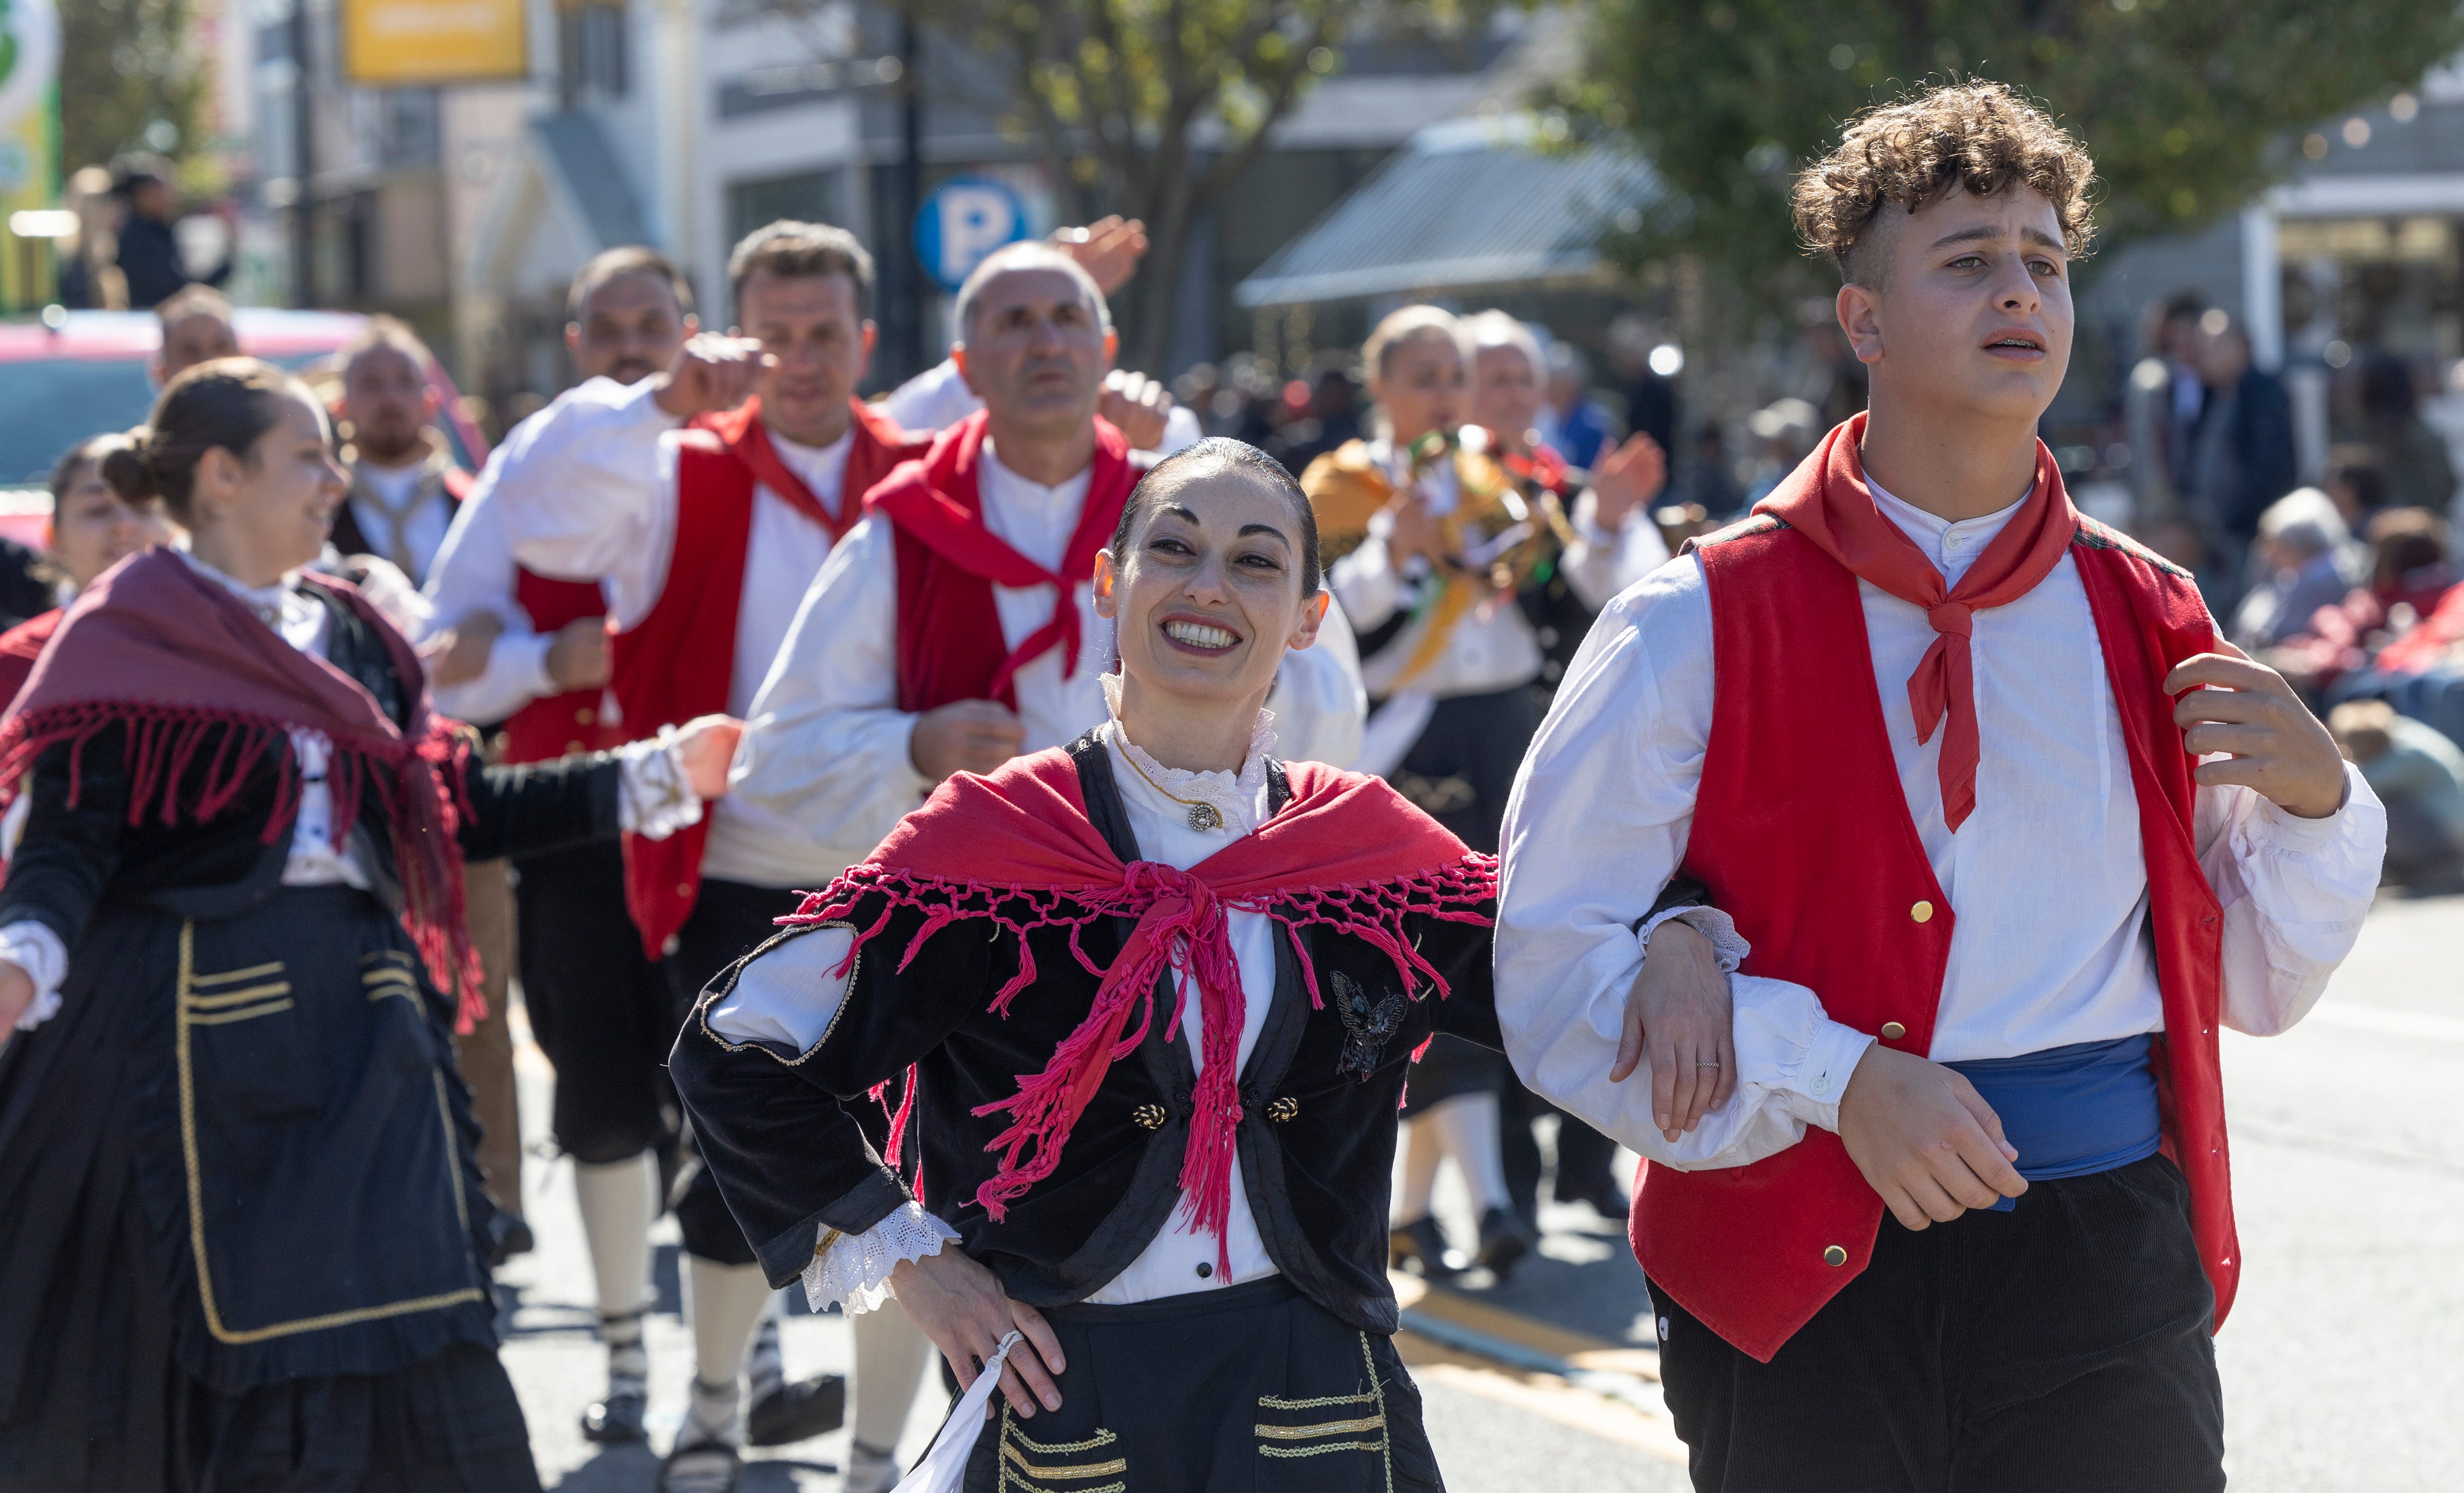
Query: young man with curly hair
(1937, 1195)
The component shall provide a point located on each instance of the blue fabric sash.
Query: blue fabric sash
(2075, 1110)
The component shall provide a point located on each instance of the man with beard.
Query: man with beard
(706, 538)
(404, 486)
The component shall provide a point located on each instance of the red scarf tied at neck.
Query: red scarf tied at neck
(166, 652)
(1827, 500)
(749, 441)
(1016, 849)
(939, 502)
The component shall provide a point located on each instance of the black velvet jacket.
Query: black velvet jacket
(1316, 1141)
(68, 859)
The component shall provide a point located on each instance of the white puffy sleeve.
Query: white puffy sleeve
(1595, 828)
(588, 492)
(2295, 891)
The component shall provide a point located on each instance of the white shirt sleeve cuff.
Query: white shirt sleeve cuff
(32, 947)
(2280, 830)
(852, 1270)
(652, 799)
(1831, 1059)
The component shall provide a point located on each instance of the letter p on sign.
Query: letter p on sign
(961, 222)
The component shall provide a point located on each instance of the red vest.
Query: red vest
(553, 725)
(679, 660)
(1825, 875)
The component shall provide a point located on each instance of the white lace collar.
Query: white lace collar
(1237, 796)
(266, 601)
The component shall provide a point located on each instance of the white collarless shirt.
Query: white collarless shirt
(2047, 875)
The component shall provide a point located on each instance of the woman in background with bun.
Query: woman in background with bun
(248, 1243)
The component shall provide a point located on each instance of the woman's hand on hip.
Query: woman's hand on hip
(961, 1306)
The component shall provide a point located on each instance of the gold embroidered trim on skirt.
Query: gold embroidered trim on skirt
(384, 982)
(1322, 1428)
(278, 987)
(1065, 1471)
(1278, 1402)
(253, 972)
(1329, 1446)
(1016, 1471)
(1101, 1438)
(186, 1018)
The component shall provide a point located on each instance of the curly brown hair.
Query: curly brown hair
(1982, 135)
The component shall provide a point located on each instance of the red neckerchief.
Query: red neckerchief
(749, 441)
(941, 505)
(1346, 853)
(1827, 500)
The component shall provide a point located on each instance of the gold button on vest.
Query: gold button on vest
(1923, 912)
(1894, 1031)
(1835, 1256)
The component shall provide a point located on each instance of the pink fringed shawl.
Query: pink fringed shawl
(157, 648)
(1016, 849)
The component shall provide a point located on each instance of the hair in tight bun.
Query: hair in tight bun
(226, 404)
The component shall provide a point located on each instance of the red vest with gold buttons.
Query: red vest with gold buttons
(553, 725)
(1802, 832)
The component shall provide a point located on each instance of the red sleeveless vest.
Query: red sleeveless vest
(1824, 874)
(553, 725)
(679, 660)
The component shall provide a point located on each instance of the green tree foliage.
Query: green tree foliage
(129, 78)
(2186, 104)
(1154, 108)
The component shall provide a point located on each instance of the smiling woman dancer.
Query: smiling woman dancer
(246, 1243)
(1213, 967)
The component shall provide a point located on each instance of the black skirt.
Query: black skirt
(1251, 1386)
(245, 1226)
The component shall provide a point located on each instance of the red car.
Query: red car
(92, 373)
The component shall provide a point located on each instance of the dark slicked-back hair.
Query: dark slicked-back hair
(789, 248)
(1215, 456)
(630, 259)
(1977, 136)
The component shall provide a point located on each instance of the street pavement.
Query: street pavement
(2340, 1363)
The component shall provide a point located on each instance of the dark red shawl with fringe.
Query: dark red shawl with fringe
(174, 657)
(1016, 849)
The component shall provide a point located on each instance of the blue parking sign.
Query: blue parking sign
(961, 222)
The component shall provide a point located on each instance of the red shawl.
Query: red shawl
(1016, 849)
(949, 633)
(1826, 499)
(176, 659)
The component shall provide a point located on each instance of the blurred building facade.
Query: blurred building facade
(682, 123)
(2352, 266)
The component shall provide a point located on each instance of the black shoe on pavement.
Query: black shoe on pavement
(704, 1468)
(1504, 1239)
(797, 1412)
(1422, 1243)
(616, 1420)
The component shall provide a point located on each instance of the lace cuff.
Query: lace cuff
(652, 799)
(1711, 923)
(32, 947)
(852, 1270)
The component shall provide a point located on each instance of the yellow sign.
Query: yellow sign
(388, 43)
